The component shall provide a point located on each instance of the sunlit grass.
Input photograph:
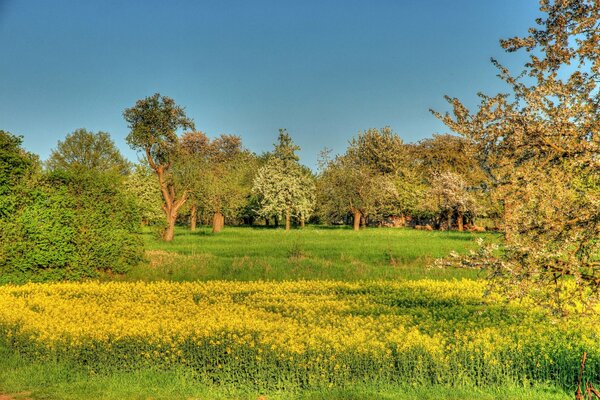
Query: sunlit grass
(313, 253)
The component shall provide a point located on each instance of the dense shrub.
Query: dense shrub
(67, 226)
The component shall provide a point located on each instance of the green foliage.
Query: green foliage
(83, 150)
(61, 380)
(69, 226)
(15, 163)
(141, 186)
(154, 122)
(218, 173)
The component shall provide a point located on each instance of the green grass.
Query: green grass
(60, 381)
(247, 254)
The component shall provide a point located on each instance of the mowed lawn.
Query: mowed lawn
(242, 253)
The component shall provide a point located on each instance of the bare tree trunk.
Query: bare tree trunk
(459, 221)
(169, 232)
(171, 205)
(193, 217)
(217, 223)
(276, 218)
(302, 221)
(449, 220)
(287, 220)
(363, 221)
(357, 215)
(267, 222)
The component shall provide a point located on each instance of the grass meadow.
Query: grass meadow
(319, 313)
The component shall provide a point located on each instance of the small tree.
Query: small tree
(154, 122)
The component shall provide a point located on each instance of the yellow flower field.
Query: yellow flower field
(307, 333)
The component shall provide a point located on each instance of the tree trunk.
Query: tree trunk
(217, 223)
(267, 222)
(287, 220)
(459, 221)
(276, 218)
(169, 233)
(193, 217)
(449, 220)
(356, 220)
(363, 221)
(171, 205)
(302, 221)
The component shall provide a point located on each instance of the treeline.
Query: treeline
(379, 180)
(77, 213)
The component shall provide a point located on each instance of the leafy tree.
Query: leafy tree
(448, 153)
(83, 150)
(449, 196)
(371, 180)
(218, 174)
(346, 186)
(540, 147)
(141, 186)
(283, 186)
(154, 122)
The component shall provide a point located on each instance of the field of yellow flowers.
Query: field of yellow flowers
(300, 334)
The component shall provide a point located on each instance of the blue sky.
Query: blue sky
(324, 70)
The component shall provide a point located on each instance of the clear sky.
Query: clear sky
(323, 69)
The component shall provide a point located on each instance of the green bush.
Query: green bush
(68, 226)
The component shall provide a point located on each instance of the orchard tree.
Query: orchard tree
(449, 196)
(141, 185)
(283, 186)
(232, 169)
(154, 122)
(84, 150)
(540, 146)
(218, 174)
(345, 186)
(193, 169)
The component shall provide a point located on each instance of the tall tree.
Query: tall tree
(541, 146)
(154, 122)
(84, 150)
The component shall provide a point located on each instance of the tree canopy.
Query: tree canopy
(84, 150)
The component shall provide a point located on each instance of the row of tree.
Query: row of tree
(437, 180)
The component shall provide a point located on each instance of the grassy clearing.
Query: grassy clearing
(246, 254)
